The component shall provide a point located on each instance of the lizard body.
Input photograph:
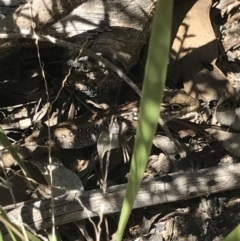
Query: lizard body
(84, 131)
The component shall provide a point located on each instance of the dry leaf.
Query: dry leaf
(228, 114)
(64, 180)
(229, 140)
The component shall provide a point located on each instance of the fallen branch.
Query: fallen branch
(87, 52)
(170, 188)
(44, 13)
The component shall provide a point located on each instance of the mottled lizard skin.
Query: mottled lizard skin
(85, 131)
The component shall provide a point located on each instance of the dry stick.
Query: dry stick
(169, 188)
(36, 38)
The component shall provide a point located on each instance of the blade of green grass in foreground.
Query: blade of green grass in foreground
(3, 217)
(13, 230)
(234, 235)
(52, 237)
(154, 81)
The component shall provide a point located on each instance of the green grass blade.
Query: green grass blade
(1, 237)
(234, 235)
(154, 81)
(13, 230)
(53, 237)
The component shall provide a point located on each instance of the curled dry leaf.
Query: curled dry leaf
(167, 146)
(226, 6)
(229, 140)
(228, 114)
(64, 180)
(106, 143)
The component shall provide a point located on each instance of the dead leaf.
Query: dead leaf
(229, 140)
(64, 180)
(226, 6)
(106, 143)
(168, 147)
(228, 114)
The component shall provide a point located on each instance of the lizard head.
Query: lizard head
(177, 103)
